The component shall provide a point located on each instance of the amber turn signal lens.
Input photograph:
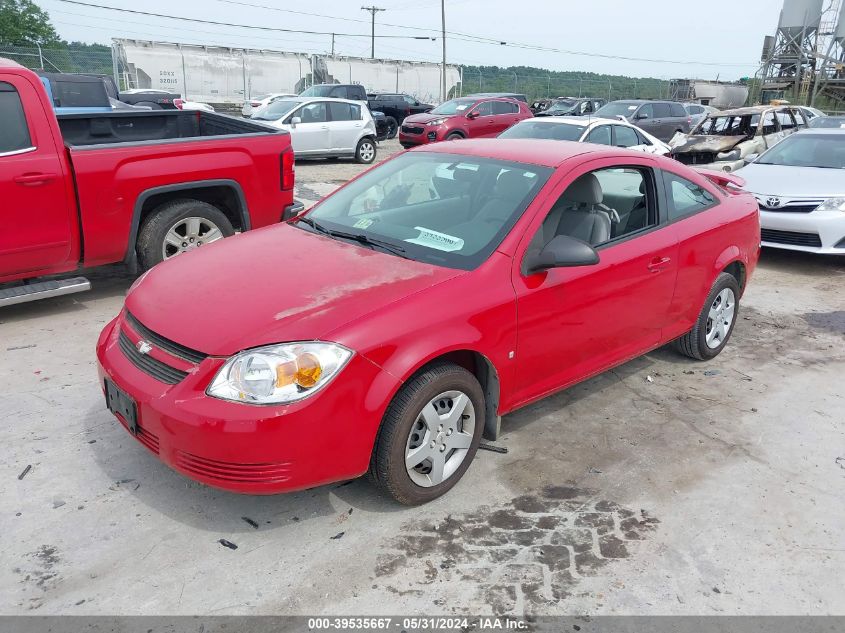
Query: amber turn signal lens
(308, 370)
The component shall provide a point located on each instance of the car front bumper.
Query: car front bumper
(815, 232)
(246, 448)
(428, 135)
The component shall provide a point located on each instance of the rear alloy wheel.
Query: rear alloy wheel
(429, 435)
(366, 151)
(716, 322)
(178, 227)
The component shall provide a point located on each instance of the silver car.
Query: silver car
(800, 187)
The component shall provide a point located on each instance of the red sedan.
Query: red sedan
(391, 326)
(465, 117)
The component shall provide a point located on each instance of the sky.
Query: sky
(670, 38)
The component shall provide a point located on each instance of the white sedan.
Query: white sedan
(321, 127)
(262, 100)
(800, 188)
(581, 129)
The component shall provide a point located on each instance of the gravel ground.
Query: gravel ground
(664, 486)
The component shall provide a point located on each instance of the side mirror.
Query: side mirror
(472, 115)
(295, 121)
(562, 252)
(641, 115)
(293, 210)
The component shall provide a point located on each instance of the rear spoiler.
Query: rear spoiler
(722, 178)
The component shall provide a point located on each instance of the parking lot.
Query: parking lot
(664, 486)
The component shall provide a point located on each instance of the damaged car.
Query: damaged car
(727, 140)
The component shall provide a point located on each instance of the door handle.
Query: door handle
(34, 179)
(324, 127)
(658, 263)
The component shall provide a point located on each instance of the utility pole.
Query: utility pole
(373, 10)
(332, 44)
(443, 93)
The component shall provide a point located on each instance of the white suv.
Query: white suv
(324, 127)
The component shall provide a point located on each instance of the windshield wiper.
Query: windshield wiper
(361, 238)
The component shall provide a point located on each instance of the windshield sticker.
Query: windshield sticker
(363, 223)
(633, 107)
(439, 241)
(462, 107)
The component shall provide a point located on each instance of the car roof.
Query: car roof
(576, 120)
(540, 152)
(822, 131)
(753, 110)
(5, 62)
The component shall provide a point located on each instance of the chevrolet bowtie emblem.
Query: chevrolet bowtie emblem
(144, 347)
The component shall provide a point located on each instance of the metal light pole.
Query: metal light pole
(443, 93)
(373, 10)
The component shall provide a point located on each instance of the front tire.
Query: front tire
(365, 152)
(177, 227)
(716, 322)
(392, 127)
(429, 435)
(455, 136)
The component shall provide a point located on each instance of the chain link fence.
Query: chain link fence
(67, 59)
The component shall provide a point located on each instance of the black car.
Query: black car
(396, 106)
(572, 106)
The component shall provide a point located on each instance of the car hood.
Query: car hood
(706, 143)
(425, 117)
(793, 182)
(272, 285)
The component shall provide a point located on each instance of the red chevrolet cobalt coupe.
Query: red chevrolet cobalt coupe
(391, 326)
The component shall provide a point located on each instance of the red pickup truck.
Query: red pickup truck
(84, 190)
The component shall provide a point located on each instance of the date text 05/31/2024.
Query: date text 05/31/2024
(413, 624)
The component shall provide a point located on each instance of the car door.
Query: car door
(662, 122)
(311, 135)
(644, 118)
(575, 322)
(345, 126)
(505, 114)
(480, 120)
(37, 212)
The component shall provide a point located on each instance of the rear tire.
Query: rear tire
(365, 153)
(439, 412)
(177, 218)
(715, 324)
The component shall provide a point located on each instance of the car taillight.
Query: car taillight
(179, 103)
(287, 169)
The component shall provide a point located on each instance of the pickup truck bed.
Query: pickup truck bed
(153, 126)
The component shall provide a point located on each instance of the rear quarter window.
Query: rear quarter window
(14, 132)
(684, 197)
(678, 110)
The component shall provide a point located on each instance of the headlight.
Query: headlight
(732, 155)
(834, 204)
(437, 122)
(278, 374)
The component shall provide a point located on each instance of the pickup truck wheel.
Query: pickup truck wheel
(715, 324)
(429, 435)
(178, 227)
(366, 151)
(392, 127)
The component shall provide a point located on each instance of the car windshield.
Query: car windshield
(317, 91)
(617, 108)
(444, 209)
(455, 106)
(800, 150)
(275, 110)
(562, 105)
(538, 129)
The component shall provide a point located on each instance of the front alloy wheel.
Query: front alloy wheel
(440, 438)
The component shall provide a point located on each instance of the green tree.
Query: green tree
(23, 22)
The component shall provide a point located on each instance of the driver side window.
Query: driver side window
(311, 113)
(484, 109)
(602, 206)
